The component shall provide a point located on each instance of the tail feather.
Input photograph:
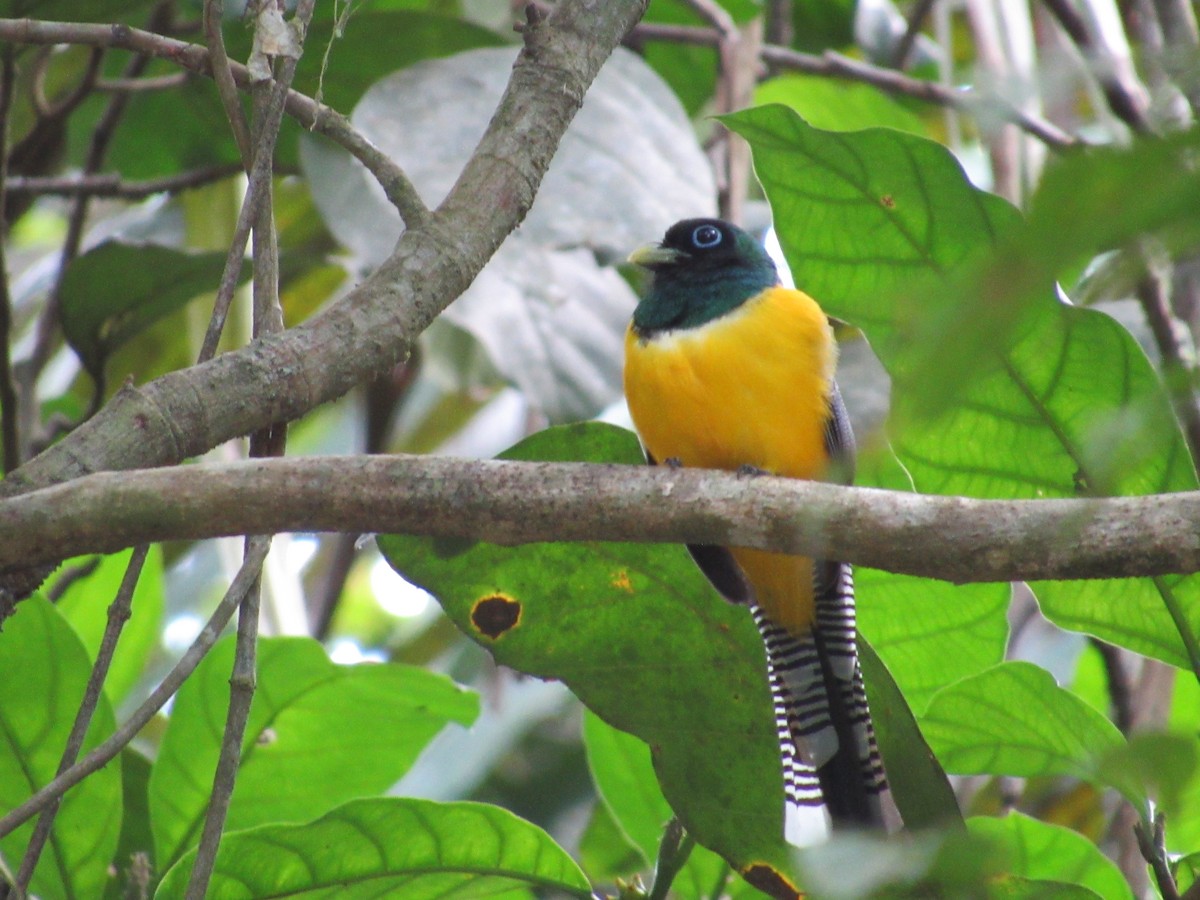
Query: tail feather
(833, 774)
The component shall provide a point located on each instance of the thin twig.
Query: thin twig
(145, 85)
(106, 751)
(69, 576)
(118, 615)
(222, 75)
(837, 65)
(908, 40)
(1182, 624)
(1120, 692)
(1151, 291)
(257, 187)
(269, 101)
(1127, 101)
(241, 693)
(303, 109)
(113, 186)
(60, 109)
(1151, 839)
(9, 404)
(47, 323)
(779, 27)
(673, 852)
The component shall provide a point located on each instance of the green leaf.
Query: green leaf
(330, 733)
(116, 289)
(1053, 401)
(919, 786)
(1014, 720)
(1041, 851)
(85, 605)
(624, 775)
(1157, 765)
(837, 105)
(391, 847)
(642, 639)
(45, 669)
(947, 631)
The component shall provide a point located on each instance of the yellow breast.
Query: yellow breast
(749, 388)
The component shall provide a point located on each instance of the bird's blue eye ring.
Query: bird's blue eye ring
(706, 236)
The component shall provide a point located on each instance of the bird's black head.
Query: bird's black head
(703, 269)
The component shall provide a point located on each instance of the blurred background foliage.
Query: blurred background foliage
(938, 240)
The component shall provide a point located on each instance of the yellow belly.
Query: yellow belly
(749, 388)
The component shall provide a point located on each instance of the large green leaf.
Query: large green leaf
(391, 848)
(85, 605)
(116, 289)
(329, 733)
(919, 786)
(1014, 720)
(886, 231)
(637, 633)
(1042, 851)
(43, 670)
(624, 776)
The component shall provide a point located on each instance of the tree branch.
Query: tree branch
(281, 377)
(193, 57)
(952, 538)
(114, 186)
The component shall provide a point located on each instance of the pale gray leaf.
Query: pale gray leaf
(550, 309)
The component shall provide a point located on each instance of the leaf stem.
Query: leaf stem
(673, 852)
(1182, 625)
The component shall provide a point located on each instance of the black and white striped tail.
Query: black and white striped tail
(831, 766)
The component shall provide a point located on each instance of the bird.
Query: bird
(726, 368)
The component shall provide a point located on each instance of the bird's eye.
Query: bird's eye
(706, 236)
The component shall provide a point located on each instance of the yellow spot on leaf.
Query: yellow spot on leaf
(621, 582)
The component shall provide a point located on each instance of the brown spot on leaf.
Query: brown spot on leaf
(770, 882)
(888, 201)
(495, 614)
(621, 582)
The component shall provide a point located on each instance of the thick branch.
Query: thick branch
(281, 377)
(513, 502)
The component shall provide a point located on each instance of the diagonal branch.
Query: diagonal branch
(952, 538)
(281, 377)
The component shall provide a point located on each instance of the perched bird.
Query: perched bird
(727, 369)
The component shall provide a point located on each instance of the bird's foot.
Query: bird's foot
(673, 462)
(745, 470)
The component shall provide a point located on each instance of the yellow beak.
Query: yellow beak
(652, 256)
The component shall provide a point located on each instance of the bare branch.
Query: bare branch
(193, 57)
(10, 437)
(838, 66)
(953, 538)
(114, 186)
(280, 377)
